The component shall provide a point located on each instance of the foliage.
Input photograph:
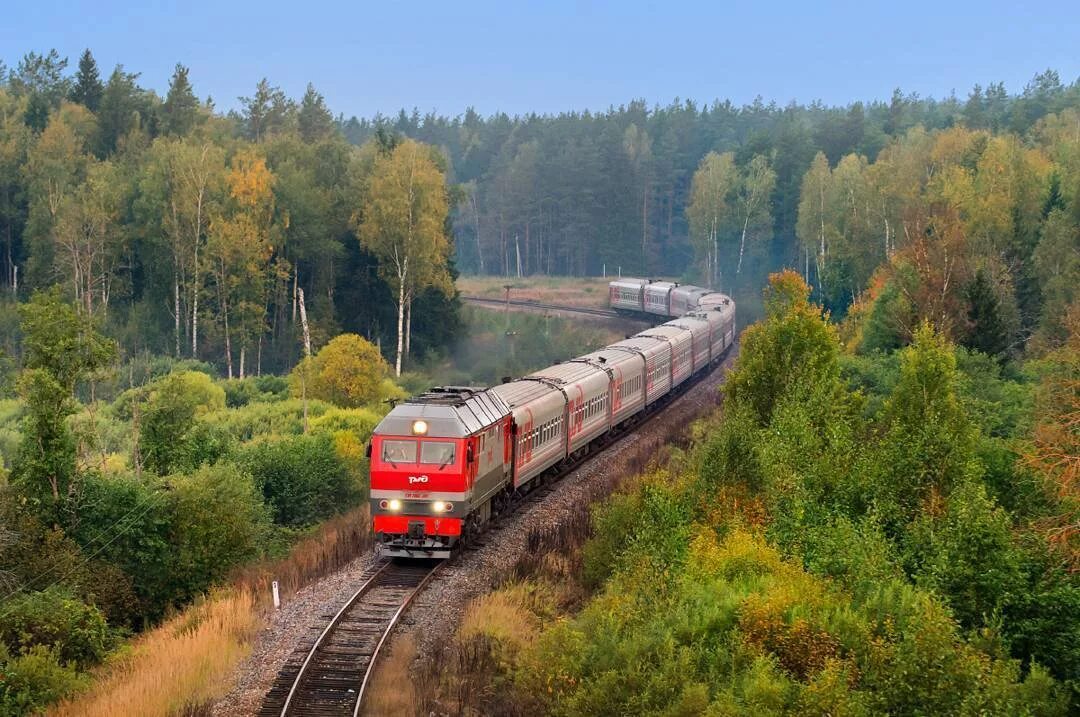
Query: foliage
(348, 372)
(301, 478)
(61, 349)
(75, 632)
(792, 346)
(218, 522)
(170, 436)
(32, 681)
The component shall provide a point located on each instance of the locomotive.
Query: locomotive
(443, 463)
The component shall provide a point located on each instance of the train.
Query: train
(445, 462)
(662, 298)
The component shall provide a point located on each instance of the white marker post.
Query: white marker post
(277, 597)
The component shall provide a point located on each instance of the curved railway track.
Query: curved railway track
(331, 678)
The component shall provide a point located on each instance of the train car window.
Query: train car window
(437, 452)
(399, 451)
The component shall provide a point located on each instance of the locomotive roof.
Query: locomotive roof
(449, 411)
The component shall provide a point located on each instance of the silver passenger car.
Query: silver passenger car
(627, 294)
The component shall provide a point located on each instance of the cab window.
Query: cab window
(437, 452)
(399, 451)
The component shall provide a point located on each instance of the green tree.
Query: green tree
(170, 438)
(752, 202)
(61, 348)
(180, 112)
(301, 478)
(710, 208)
(218, 522)
(123, 109)
(314, 119)
(402, 221)
(987, 331)
(88, 88)
(929, 444)
(792, 345)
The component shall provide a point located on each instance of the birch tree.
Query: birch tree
(239, 248)
(88, 236)
(713, 183)
(184, 181)
(813, 199)
(403, 222)
(752, 201)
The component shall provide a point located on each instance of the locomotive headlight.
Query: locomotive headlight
(394, 504)
(439, 506)
(419, 428)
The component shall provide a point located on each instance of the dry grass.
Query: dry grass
(337, 542)
(392, 691)
(177, 667)
(183, 665)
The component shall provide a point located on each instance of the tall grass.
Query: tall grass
(187, 662)
(180, 665)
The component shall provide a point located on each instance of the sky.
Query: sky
(547, 57)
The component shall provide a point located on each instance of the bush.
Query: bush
(280, 418)
(347, 372)
(218, 522)
(169, 437)
(966, 555)
(301, 478)
(126, 521)
(255, 389)
(76, 632)
(32, 681)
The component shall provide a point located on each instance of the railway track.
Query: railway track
(331, 677)
(605, 313)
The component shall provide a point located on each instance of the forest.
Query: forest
(203, 314)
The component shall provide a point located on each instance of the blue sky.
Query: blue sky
(558, 55)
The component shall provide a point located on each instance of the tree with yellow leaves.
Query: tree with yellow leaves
(402, 221)
(240, 247)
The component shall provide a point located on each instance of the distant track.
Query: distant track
(333, 676)
(605, 313)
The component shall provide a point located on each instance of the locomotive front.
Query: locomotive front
(423, 470)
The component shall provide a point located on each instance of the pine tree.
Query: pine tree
(181, 109)
(987, 331)
(314, 118)
(88, 87)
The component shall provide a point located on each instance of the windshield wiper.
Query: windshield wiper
(446, 462)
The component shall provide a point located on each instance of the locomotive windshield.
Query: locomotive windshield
(437, 452)
(399, 451)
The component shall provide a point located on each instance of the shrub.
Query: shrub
(170, 438)
(126, 521)
(966, 555)
(218, 521)
(279, 418)
(347, 372)
(32, 681)
(301, 478)
(255, 389)
(76, 632)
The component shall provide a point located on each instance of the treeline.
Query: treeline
(196, 234)
(571, 193)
